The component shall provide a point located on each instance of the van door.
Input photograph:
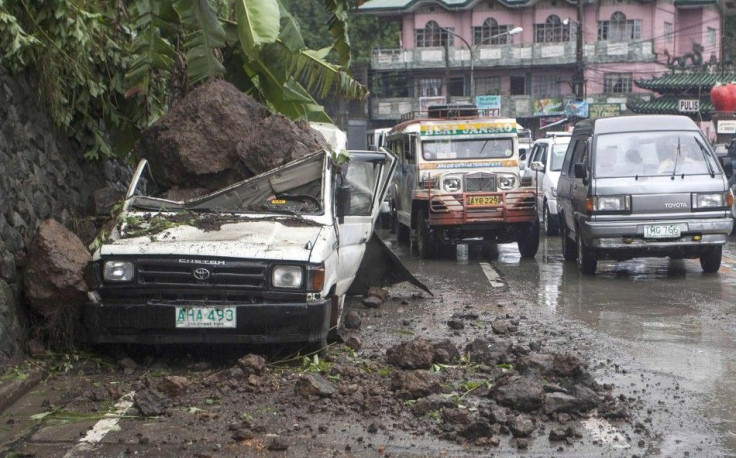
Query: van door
(579, 192)
(367, 178)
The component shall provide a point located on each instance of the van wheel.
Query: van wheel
(711, 261)
(569, 251)
(426, 242)
(551, 223)
(528, 239)
(587, 262)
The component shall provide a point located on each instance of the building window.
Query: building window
(491, 33)
(433, 35)
(456, 87)
(668, 36)
(711, 36)
(545, 86)
(619, 28)
(391, 85)
(488, 86)
(617, 83)
(518, 85)
(430, 87)
(552, 31)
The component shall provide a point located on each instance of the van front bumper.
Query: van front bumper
(625, 239)
(271, 323)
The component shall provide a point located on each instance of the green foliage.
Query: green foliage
(109, 69)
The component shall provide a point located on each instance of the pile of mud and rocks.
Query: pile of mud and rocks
(503, 388)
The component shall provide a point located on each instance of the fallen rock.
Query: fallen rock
(353, 320)
(557, 434)
(217, 135)
(415, 384)
(567, 365)
(521, 426)
(480, 427)
(372, 302)
(431, 403)
(535, 363)
(127, 365)
(252, 364)
(278, 444)
(445, 352)
(497, 415)
(378, 292)
(354, 342)
(173, 385)
(586, 397)
(520, 393)
(54, 278)
(456, 416)
(500, 326)
(455, 324)
(150, 402)
(488, 351)
(414, 354)
(314, 385)
(560, 402)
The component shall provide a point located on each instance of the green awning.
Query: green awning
(668, 104)
(686, 81)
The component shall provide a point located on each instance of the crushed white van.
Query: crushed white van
(266, 260)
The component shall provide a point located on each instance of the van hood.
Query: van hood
(274, 239)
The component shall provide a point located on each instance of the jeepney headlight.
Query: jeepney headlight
(506, 181)
(710, 200)
(612, 203)
(451, 184)
(287, 277)
(118, 271)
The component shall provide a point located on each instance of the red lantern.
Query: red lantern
(732, 90)
(723, 98)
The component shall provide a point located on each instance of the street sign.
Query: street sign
(726, 126)
(689, 105)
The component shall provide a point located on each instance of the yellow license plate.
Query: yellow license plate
(483, 200)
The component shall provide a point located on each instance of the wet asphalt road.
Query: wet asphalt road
(668, 328)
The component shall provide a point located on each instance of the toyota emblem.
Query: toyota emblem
(201, 273)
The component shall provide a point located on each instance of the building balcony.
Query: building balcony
(537, 54)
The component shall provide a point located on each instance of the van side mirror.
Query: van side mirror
(342, 202)
(580, 171)
(537, 166)
(727, 164)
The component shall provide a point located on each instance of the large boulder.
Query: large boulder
(217, 135)
(54, 277)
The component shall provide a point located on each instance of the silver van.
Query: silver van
(643, 186)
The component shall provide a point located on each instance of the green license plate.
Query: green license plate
(205, 317)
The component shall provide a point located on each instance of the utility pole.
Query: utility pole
(578, 78)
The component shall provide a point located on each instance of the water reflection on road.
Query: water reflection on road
(666, 314)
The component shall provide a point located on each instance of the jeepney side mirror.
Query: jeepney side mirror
(537, 166)
(580, 171)
(727, 164)
(342, 203)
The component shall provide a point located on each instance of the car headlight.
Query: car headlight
(506, 182)
(118, 271)
(709, 200)
(287, 277)
(451, 184)
(612, 203)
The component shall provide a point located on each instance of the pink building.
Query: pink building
(541, 61)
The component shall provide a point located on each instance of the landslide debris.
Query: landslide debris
(216, 136)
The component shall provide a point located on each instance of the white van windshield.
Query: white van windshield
(484, 148)
(652, 154)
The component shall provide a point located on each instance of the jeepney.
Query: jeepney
(458, 181)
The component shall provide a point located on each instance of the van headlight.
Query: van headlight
(506, 181)
(287, 277)
(612, 203)
(709, 200)
(452, 184)
(118, 271)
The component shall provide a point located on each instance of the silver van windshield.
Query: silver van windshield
(653, 153)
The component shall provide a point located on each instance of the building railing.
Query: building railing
(562, 53)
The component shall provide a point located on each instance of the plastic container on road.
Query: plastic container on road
(462, 252)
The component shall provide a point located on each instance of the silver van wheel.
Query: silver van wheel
(711, 261)
(587, 262)
(568, 246)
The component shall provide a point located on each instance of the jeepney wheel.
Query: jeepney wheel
(528, 239)
(551, 223)
(587, 262)
(569, 252)
(710, 262)
(426, 242)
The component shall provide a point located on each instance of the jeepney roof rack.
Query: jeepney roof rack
(449, 111)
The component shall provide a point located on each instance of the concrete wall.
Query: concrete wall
(41, 176)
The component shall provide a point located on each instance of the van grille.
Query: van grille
(172, 272)
(480, 181)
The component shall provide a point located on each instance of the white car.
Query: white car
(545, 165)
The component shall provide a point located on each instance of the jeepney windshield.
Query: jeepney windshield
(475, 148)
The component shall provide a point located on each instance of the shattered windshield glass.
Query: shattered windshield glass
(295, 189)
(652, 154)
